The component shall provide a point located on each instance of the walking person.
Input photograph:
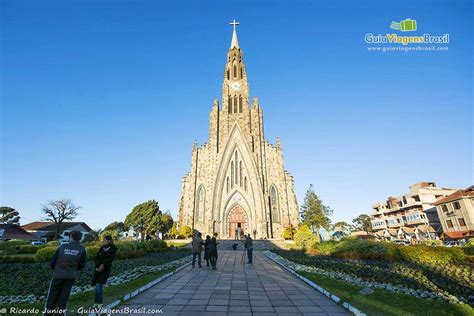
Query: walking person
(248, 244)
(255, 233)
(197, 249)
(207, 246)
(66, 261)
(213, 251)
(103, 266)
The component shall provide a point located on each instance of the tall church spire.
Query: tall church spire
(235, 41)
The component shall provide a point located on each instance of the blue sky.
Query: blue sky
(101, 100)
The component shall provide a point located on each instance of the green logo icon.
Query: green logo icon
(406, 25)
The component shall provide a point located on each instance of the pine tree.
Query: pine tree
(313, 212)
(9, 215)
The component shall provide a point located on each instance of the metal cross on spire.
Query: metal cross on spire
(234, 24)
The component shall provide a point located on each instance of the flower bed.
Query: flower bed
(448, 283)
(28, 282)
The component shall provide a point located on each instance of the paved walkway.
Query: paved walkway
(236, 288)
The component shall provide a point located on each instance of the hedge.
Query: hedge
(28, 249)
(45, 254)
(350, 248)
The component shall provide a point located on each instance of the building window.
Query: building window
(444, 207)
(201, 204)
(227, 184)
(404, 200)
(240, 104)
(235, 72)
(236, 168)
(240, 174)
(417, 198)
(232, 174)
(461, 222)
(245, 184)
(235, 104)
(230, 105)
(449, 223)
(456, 205)
(241, 72)
(228, 74)
(274, 201)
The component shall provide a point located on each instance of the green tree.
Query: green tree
(9, 215)
(343, 225)
(145, 218)
(187, 232)
(289, 232)
(92, 236)
(119, 226)
(167, 223)
(173, 233)
(58, 212)
(313, 211)
(362, 222)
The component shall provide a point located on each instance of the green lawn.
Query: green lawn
(383, 302)
(111, 293)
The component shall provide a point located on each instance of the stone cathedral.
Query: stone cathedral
(237, 181)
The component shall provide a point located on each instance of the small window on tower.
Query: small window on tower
(230, 105)
(240, 104)
(241, 73)
(235, 72)
(228, 74)
(235, 104)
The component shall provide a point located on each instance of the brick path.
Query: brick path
(263, 288)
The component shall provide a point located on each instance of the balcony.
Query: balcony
(416, 218)
(395, 222)
(378, 224)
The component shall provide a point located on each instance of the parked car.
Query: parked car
(38, 242)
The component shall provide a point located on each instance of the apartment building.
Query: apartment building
(456, 214)
(409, 216)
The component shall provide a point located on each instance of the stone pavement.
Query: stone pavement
(235, 288)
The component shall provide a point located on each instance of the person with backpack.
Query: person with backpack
(103, 267)
(66, 261)
(197, 249)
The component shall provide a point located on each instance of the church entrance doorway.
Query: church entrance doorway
(237, 222)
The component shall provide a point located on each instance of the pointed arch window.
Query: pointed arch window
(228, 74)
(228, 184)
(235, 104)
(235, 71)
(230, 105)
(201, 204)
(245, 184)
(240, 174)
(232, 174)
(240, 104)
(275, 206)
(236, 167)
(241, 72)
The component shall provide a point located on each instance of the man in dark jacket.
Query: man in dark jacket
(67, 260)
(103, 266)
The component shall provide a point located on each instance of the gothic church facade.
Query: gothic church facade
(237, 181)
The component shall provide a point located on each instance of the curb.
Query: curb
(139, 290)
(333, 297)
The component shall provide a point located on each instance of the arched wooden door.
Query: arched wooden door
(237, 219)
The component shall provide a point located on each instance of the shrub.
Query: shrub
(187, 232)
(16, 259)
(432, 242)
(92, 252)
(289, 232)
(53, 243)
(468, 251)
(28, 249)
(45, 254)
(304, 238)
(12, 246)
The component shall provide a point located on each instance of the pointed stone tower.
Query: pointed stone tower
(237, 182)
